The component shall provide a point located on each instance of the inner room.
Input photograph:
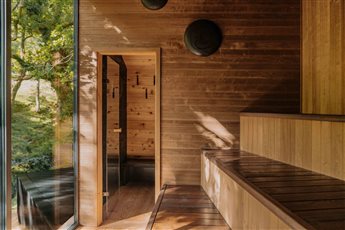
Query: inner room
(128, 133)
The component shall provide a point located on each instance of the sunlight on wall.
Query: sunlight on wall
(109, 25)
(213, 130)
(207, 170)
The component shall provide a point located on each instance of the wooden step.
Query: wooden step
(185, 207)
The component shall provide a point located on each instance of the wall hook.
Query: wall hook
(137, 77)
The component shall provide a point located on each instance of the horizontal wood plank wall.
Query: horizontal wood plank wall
(140, 110)
(256, 69)
(140, 107)
(323, 64)
(239, 208)
(311, 144)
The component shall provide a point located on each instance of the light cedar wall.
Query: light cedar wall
(314, 144)
(323, 52)
(256, 69)
(140, 110)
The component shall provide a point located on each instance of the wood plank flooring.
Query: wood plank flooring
(185, 207)
(132, 210)
(312, 199)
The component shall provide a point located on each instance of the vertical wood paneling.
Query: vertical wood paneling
(298, 142)
(260, 135)
(323, 56)
(276, 137)
(307, 144)
(337, 149)
(311, 144)
(316, 148)
(256, 68)
(326, 147)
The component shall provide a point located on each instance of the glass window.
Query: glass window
(43, 114)
(4, 110)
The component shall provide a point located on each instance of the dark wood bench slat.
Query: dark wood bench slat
(306, 189)
(330, 215)
(308, 198)
(315, 205)
(287, 178)
(262, 173)
(277, 184)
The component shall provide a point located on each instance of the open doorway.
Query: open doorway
(129, 124)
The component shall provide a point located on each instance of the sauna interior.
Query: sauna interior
(172, 114)
(128, 133)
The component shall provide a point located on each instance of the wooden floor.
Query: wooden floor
(314, 200)
(185, 207)
(133, 208)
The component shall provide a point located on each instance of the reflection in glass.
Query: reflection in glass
(42, 111)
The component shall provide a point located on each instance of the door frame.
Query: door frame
(128, 51)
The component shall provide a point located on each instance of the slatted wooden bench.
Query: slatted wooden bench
(185, 207)
(300, 198)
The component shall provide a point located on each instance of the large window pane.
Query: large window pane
(42, 98)
(4, 112)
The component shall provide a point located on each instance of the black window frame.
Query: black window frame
(5, 114)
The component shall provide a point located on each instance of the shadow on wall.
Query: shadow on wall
(211, 129)
(283, 98)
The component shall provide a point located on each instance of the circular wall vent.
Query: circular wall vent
(154, 4)
(203, 37)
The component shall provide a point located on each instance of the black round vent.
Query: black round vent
(203, 37)
(154, 4)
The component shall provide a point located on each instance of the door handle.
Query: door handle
(119, 130)
(106, 194)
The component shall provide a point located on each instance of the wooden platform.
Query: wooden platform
(313, 200)
(185, 207)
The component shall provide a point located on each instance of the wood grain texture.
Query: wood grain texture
(238, 207)
(113, 121)
(133, 205)
(256, 69)
(185, 207)
(323, 54)
(299, 197)
(311, 144)
(140, 139)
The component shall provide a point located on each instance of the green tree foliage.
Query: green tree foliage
(42, 47)
(42, 50)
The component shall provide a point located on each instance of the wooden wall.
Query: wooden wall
(240, 209)
(315, 144)
(256, 69)
(323, 64)
(140, 109)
